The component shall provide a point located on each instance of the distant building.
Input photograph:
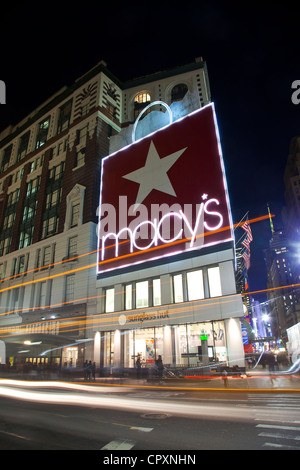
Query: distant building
(283, 305)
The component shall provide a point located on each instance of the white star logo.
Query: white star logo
(154, 174)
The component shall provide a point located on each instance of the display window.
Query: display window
(69, 356)
(193, 344)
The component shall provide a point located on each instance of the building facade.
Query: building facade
(55, 308)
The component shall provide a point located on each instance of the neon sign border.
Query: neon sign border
(231, 238)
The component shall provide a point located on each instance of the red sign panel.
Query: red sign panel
(164, 195)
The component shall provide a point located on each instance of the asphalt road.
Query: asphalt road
(115, 420)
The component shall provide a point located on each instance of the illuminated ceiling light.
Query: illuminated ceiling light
(32, 343)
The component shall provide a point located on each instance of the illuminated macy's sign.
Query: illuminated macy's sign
(164, 194)
(157, 231)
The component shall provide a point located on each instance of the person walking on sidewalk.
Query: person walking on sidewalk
(138, 366)
(159, 367)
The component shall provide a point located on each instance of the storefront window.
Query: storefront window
(69, 357)
(142, 294)
(199, 343)
(178, 289)
(219, 341)
(184, 345)
(214, 281)
(148, 343)
(195, 285)
(108, 348)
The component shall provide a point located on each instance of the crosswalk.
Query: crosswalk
(125, 444)
(279, 426)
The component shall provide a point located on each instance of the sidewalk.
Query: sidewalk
(253, 380)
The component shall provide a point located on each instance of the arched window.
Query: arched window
(178, 92)
(141, 100)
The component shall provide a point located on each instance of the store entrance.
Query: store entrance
(69, 357)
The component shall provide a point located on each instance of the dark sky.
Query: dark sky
(252, 54)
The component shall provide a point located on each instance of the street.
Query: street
(93, 417)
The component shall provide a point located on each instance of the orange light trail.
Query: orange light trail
(93, 265)
(270, 289)
(109, 320)
(176, 242)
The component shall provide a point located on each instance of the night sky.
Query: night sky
(252, 54)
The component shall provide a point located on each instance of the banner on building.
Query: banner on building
(164, 194)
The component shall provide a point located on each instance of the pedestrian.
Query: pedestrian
(138, 366)
(271, 361)
(85, 371)
(159, 367)
(94, 370)
(225, 378)
(89, 370)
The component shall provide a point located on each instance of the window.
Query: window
(19, 265)
(9, 221)
(56, 172)
(110, 300)
(49, 226)
(32, 187)
(195, 285)
(156, 292)
(82, 135)
(128, 297)
(47, 256)
(178, 288)
(5, 245)
(214, 281)
(2, 270)
(75, 214)
(142, 97)
(53, 199)
(75, 204)
(30, 204)
(70, 281)
(9, 218)
(23, 146)
(141, 100)
(42, 132)
(72, 247)
(6, 158)
(80, 157)
(142, 294)
(15, 298)
(64, 117)
(111, 109)
(53, 191)
(178, 92)
(41, 301)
